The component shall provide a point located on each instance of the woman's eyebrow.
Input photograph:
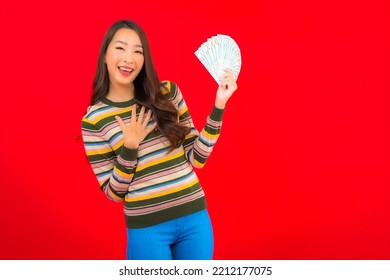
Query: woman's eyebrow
(124, 43)
(119, 41)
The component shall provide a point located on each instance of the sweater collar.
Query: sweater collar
(123, 104)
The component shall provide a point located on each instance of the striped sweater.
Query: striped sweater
(155, 186)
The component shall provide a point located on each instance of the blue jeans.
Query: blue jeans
(186, 238)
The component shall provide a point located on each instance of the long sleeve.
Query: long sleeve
(198, 146)
(113, 172)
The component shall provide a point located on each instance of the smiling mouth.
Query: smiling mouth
(127, 70)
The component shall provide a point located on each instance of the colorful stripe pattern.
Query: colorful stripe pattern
(155, 185)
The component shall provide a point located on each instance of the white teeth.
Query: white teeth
(125, 69)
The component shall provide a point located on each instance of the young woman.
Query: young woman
(142, 145)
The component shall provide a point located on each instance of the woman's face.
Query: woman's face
(124, 57)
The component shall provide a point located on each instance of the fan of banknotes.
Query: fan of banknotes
(220, 52)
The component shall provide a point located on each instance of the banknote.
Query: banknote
(218, 53)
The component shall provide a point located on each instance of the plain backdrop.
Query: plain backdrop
(301, 170)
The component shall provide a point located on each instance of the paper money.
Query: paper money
(220, 52)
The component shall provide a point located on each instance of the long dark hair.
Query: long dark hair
(147, 86)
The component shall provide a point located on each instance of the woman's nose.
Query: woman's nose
(128, 57)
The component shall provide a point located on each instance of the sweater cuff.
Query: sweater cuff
(128, 154)
(216, 114)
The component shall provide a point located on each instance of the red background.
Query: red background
(301, 170)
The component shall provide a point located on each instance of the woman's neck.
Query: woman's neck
(120, 94)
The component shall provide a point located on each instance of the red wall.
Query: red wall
(301, 170)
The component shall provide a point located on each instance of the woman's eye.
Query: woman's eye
(140, 52)
(120, 48)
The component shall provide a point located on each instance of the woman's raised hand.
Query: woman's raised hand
(226, 88)
(137, 129)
